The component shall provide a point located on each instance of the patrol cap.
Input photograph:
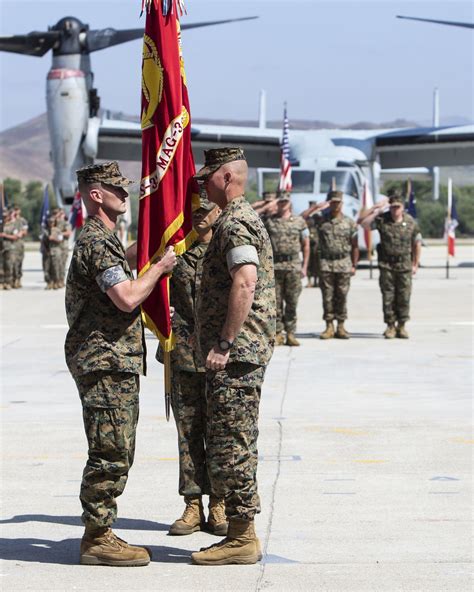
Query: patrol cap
(269, 195)
(108, 173)
(395, 197)
(205, 204)
(283, 196)
(215, 158)
(335, 196)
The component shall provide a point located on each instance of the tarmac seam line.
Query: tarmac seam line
(277, 476)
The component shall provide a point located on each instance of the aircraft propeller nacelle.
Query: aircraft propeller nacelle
(68, 113)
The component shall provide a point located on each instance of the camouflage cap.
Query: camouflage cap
(108, 173)
(283, 196)
(335, 196)
(215, 158)
(395, 197)
(205, 204)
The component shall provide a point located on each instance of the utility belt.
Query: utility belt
(333, 257)
(392, 258)
(285, 258)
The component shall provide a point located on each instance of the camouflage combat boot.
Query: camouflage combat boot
(401, 331)
(341, 332)
(279, 339)
(217, 520)
(100, 546)
(7, 287)
(241, 546)
(390, 331)
(328, 333)
(291, 340)
(192, 518)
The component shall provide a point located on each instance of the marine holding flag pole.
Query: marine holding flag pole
(168, 190)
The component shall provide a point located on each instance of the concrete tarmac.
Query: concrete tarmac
(365, 447)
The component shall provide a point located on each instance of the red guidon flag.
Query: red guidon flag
(167, 189)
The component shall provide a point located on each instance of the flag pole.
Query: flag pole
(450, 201)
(167, 368)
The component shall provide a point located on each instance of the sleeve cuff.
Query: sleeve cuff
(111, 277)
(241, 256)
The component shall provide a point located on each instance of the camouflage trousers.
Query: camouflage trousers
(18, 257)
(55, 266)
(233, 398)
(288, 289)
(188, 401)
(334, 289)
(396, 292)
(8, 266)
(110, 413)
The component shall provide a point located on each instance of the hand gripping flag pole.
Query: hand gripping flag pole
(168, 191)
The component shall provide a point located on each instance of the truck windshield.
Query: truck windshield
(343, 180)
(302, 181)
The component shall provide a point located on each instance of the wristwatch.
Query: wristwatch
(224, 344)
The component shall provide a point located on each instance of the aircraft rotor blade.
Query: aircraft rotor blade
(101, 39)
(450, 23)
(210, 23)
(34, 44)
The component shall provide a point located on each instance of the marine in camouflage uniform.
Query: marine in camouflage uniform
(21, 226)
(235, 369)
(9, 237)
(338, 254)
(398, 259)
(289, 235)
(105, 353)
(66, 231)
(55, 254)
(188, 397)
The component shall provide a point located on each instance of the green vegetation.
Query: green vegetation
(30, 199)
(432, 214)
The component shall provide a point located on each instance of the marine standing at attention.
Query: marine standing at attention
(105, 353)
(236, 333)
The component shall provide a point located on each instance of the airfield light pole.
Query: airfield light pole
(435, 170)
(448, 223)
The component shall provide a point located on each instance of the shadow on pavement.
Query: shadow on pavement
(66, 552)
(353, 335)
(122, 523)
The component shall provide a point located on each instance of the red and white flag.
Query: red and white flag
(285, 166)
(452, 221)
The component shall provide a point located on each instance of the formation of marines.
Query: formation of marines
(54, 247)
(12, 248)
(322, 244)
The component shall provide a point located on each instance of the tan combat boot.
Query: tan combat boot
(241, 546)
(217, 520)
(279, 339)
(49, 286)
(341, 332)
(7, 287)
(402, 332)
(100, 546)
(328, 333)
(390, 331)
(192, 518)
(291, 340)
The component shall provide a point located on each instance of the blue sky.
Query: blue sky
(343, 61)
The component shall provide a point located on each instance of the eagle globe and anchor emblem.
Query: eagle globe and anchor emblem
(152, 81)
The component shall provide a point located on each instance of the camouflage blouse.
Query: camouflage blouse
(184, 287)
(238, 226)
(286, 236)
(397, 240)
(335, 234)
(100, 336)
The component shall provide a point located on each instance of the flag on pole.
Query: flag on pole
(76, 215)
(2, 206)
(44, 213)
(285, 166)
(452, 221)
(168, 190)
(411, 199)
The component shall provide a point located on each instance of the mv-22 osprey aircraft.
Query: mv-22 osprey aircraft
(353, 159)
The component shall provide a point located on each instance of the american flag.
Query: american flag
(411, 208)
(76, 215)
(285, 166)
